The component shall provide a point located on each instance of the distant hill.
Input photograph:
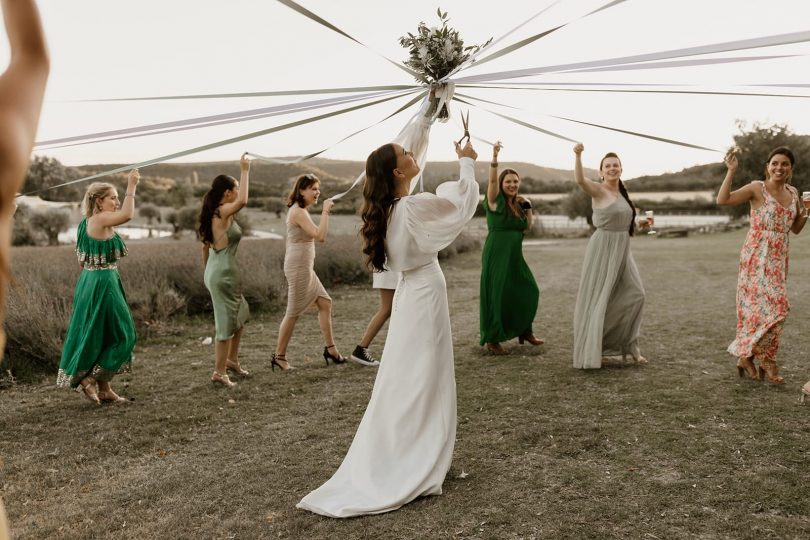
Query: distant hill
(274, 180)
(270, 179)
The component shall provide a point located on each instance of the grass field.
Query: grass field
(680, 448)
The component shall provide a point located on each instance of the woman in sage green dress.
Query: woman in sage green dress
(220, 235)
(101, 333)
(610, 299)
(509, 293)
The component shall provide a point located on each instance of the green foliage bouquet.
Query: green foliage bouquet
(435, 53)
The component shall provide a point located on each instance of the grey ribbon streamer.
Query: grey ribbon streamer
(204, 121)
(472, 59)
(532, 39)
(521, 122)
(681, 63)
(754, 43)
(344, 90)
(308, 14)
(634, 133)
(414, 136)
(217, 144)
(638, 134)
(632, 91)
(312, 155)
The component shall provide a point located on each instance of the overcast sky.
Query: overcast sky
(114, 48)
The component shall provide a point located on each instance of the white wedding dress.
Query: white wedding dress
(404, 444)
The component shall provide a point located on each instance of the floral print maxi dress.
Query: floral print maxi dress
(762, 302)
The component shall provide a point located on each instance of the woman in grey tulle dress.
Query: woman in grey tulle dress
(607, 315)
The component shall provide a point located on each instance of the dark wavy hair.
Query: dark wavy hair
(210, 206)
(378, 199)
(623, 191)
(781, 151)
(511, 202)
(302, 183)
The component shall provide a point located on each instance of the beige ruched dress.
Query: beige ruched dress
(303, 286)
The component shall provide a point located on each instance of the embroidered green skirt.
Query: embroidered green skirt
(101, 334)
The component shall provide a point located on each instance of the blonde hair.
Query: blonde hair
(96, 191)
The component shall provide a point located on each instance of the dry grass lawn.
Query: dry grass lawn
(680, 448)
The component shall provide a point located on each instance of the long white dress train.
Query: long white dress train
(404, 444)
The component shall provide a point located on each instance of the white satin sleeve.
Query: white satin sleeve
(434, 221)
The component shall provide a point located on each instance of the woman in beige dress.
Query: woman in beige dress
(303, 287)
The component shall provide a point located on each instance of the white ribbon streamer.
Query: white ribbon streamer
(217, 119)
(754, 43)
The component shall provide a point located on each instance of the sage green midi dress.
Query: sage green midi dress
(607, 316)
(101, 333)
(509, 292)
(222, 280)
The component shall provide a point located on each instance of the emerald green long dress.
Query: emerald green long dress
(223, 282)
(509, 293)
(101, 333)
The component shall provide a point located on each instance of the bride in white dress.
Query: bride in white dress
(404, 444)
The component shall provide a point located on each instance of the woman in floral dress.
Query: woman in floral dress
(762, 303)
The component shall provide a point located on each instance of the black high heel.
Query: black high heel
(335, 359)
(274, 362)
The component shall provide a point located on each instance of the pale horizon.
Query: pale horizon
(109, 49)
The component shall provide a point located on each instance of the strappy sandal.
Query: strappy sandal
(236, 368)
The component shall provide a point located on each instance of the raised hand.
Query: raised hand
(731, 161)
(495, 149)
(244, 162)
(327, 205)
(578, 148)
(133, 178)
(467, 151)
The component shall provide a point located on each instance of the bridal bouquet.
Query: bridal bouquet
(435, 53)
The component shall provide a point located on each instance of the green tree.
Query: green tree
(44, 172)
(244, 222)
(173, 219)
(755, 145)
(578, 204)
(179, 194)
(150, 212)
(50, 222)
(188, 217)
(22, 234)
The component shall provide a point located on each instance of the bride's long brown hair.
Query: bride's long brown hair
(378, 198)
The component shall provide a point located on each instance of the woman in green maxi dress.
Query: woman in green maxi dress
(509, 293)
(220, 235)
(101, 333)
(607, 315)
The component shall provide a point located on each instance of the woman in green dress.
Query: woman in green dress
(101, 333)
(509, 293)
(220, 235)
(607, 316)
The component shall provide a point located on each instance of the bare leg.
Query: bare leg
(284, 334)
(325, 320)
(378, 320)
(221, 357)
(233, 347)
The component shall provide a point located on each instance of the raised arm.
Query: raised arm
(801, 216)
(318, 232)
(726, 197)
(22, 88)
(593, 189)
(127, 211)
(492, 186)
(229, 209)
